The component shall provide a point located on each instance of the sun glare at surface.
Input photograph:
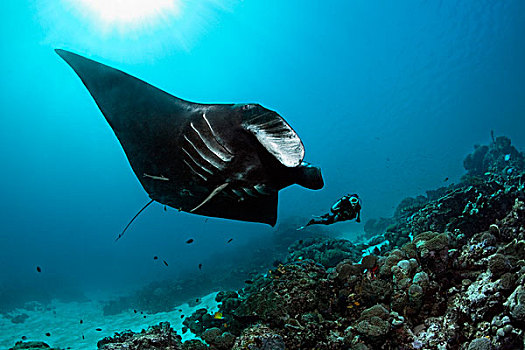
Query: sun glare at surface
(118, 13)
(129, 30)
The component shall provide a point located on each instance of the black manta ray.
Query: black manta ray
(221, 160)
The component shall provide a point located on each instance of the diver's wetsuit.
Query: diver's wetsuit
(346, 208)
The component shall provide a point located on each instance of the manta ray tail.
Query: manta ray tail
(140, 211)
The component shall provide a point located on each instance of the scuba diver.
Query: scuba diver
(346, 208)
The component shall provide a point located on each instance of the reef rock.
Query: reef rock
(373, 323)
(160, 337)
(259, 337)
(32, 345)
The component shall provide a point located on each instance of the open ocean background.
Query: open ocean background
(388, 98)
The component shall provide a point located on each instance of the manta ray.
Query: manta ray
(219, 160)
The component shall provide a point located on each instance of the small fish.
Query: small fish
(135, 311)
(144, 316)
(225, 325)
(24, 337)
(205, 221)
(200, 266)
(197, 300)
(81, 321)
(231, 239)
(99, 329)
(38, 269)
(350, 307)
(48, 334)
(446, 179)
(189, 241)
(142, 312)
(248, 282)
(181, 316)
(83, 336)
(218, 315)
(180, 310)
(155, 257)
(165, 208)
(165, 263)
(356, 303)
(301, 241)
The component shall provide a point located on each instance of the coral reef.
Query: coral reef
(374, 227)
(446, 271)
(500, 157)
(161, 336)
(326, 251)
(259, 337)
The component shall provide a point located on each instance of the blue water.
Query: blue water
(388, 98)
